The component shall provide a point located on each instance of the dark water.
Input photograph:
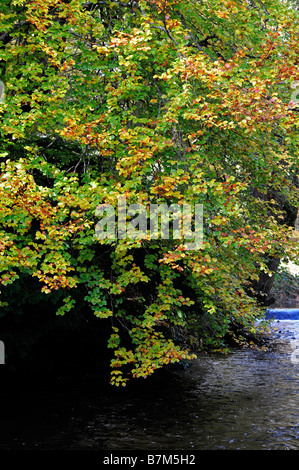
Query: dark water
(248, 400)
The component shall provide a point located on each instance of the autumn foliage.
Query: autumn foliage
(160, 102)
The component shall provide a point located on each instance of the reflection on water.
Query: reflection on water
(247, 400)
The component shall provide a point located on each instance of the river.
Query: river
(248, 400)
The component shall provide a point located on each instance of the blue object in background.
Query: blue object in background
(282, 313)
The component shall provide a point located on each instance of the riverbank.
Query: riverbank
(286, 286)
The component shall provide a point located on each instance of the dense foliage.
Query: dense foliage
(160, 101)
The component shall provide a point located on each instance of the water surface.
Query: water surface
(247, 400)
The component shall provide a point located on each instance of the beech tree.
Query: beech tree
(160, 102)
